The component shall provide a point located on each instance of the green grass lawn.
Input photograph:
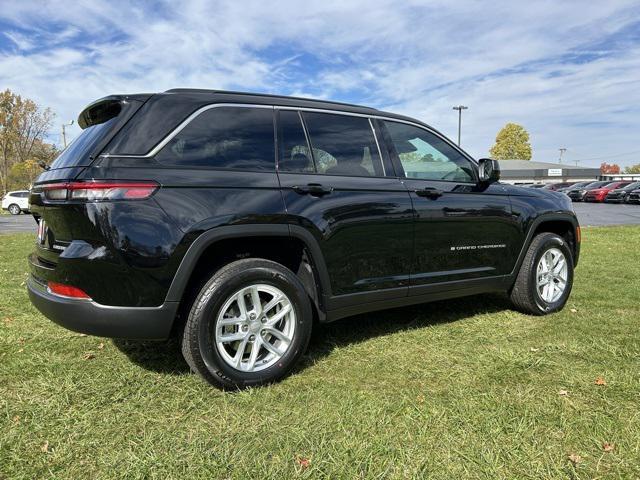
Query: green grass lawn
(460, 389)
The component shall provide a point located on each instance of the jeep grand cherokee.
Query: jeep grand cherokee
(234, 220)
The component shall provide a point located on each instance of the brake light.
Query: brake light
(96, 191)
(67, 291)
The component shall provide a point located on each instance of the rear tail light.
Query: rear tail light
(63, 290)
(96, 191)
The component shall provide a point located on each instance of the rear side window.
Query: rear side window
(80, 150)
(224, 137)
(343, 144)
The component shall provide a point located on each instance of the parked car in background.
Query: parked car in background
(557, 186)
(621, 195)
(600, 193)
(574, 186)
(634, 196)
(578, 194)
(536, 185)
(16, 202)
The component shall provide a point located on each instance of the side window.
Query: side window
(343, 144)
(424, 155)
(224, 137)
(294, 152)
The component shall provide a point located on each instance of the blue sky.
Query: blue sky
(568, 71)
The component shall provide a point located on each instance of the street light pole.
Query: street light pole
(562, 150)
(460, 108)
(64, 133)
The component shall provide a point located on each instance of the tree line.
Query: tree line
(23, 147)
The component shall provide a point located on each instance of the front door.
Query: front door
(463, 231)
(333, 181)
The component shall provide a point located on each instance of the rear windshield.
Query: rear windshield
(80, 150)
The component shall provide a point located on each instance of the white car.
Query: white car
(16, 202)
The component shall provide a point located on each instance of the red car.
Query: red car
(599, 194)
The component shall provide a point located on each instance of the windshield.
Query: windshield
(632, 186)
(80, 150)
(595, 184)
(615, 185)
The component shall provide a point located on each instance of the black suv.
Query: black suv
(621, 195)
(235, 220)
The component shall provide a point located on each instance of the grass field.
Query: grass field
(464, 389)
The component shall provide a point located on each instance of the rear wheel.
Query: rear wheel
(545, 279)
(14, 209)
(248, 326)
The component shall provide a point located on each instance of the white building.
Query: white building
(528, 171)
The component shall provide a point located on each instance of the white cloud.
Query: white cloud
(508, 62)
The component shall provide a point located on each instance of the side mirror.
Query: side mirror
(488, 170)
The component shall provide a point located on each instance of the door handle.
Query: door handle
(429, 192)
(313, 189)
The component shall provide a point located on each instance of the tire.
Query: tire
(525, 294)
(208, 324)
(14, 209)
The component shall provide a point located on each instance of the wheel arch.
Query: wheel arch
(219, 246)
(563, 225)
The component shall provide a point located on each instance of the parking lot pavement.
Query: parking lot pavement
(588, 214)
(607, 214)
(17, 224)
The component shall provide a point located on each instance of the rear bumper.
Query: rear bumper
(86, 316)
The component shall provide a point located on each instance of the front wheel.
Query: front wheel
(545, 278)
(248, 326)
(14, 209)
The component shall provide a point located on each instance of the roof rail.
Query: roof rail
(231, 92)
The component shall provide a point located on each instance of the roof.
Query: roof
(284, 100)
(267, 95)
(261, 97)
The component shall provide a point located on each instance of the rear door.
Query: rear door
(333, 181)
(462, 231)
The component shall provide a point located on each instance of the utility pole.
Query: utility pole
(460, 108)
(64, 133)
(562, 150)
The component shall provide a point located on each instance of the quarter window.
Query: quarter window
(424, 155)
(343, 144)
(224, 137)
(294, 151)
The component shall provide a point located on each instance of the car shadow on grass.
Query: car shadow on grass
(166, 357)
(356, 329)
(161, 357)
